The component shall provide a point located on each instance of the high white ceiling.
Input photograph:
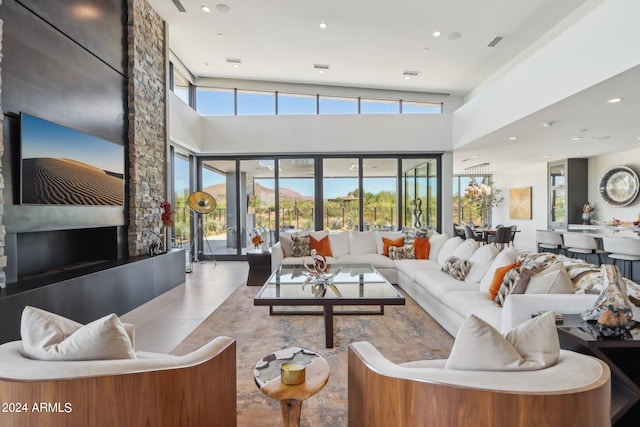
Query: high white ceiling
(370, 43)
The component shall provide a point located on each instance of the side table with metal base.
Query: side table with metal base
(621, 355)
(267, 377)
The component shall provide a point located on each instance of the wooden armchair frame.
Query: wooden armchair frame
(203, 394)
(380, 400)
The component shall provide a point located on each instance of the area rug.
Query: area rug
(403, 333)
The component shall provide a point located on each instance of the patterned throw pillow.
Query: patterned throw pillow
(457, 268)
(410, 234)
(402, 252)
(301, 246)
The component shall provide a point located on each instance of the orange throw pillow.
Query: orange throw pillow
(498, 277)
(422, 247)
(388, 242)
(321, 246)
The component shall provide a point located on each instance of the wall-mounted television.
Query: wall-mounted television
(63, 166)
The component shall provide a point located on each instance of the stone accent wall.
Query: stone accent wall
(147, 123)
(3, 257)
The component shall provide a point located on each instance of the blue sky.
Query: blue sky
(220, 102)
(41, 138)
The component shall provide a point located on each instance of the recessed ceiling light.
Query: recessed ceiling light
(614, 100)
(323, 25)
(437, 33)
(474, 156)
(576, 138)
(546, 156)
(223, 8)
(206, 9)
(513, 138)
(220, 35)
(426, 49)
(547, 124)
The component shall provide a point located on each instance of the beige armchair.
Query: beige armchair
(197, 389)
(574, 392)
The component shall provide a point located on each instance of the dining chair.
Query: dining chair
(578, 243)
(549, 239)
(624, 249)
(514, 229)
(501, 238)
(469, 234)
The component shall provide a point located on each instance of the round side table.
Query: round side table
(267, 376)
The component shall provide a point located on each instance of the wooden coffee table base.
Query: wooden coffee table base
(292, 396)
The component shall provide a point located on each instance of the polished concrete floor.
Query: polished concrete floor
(162, 323)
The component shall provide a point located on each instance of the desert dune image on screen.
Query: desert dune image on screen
(62, 166)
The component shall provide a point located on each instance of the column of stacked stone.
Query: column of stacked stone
(147, 123)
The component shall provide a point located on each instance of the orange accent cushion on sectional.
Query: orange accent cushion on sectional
(386, 243)
(498, 277)
(422, 247)
(321, 246)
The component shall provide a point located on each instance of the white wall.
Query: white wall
(600, 45)
(185, 127)
(533, 176)
(326, 134)
(536, 177)
(597, 167)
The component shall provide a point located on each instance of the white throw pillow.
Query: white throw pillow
(553, 280)
(391, 235)
(48, 336)
(447, 249)
(436, 241)
(339, 243)
(505, 257)
(465, 250)
(530, 346)
(286, 244)
(480, 262)
(362, 242)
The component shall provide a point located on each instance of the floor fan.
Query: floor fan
(201, 203)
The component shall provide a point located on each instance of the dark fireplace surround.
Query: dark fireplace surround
(37, 255)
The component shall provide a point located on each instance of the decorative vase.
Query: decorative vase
(586, 218)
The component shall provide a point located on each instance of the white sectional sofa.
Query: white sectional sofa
(448, 300)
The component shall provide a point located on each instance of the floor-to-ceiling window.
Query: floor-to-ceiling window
(380, 194)
(341, 186)
(296, 194)
(271, 194)
(181, 190)
(218, 229)
(260, 195)
(420, 188)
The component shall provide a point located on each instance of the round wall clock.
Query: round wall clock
(619, 186)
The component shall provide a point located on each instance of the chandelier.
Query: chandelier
(478, 189)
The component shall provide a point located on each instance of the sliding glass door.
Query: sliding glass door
(296, 194)
(272, 194)
(341, 204)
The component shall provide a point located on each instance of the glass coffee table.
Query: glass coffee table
(354, 285)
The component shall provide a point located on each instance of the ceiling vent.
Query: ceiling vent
(495, 41)
(179, 5)
(233, 60)
(411, 73)
(320, 67)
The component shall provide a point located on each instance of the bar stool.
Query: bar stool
(547, 239)
(624, 249)
(578, 243)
